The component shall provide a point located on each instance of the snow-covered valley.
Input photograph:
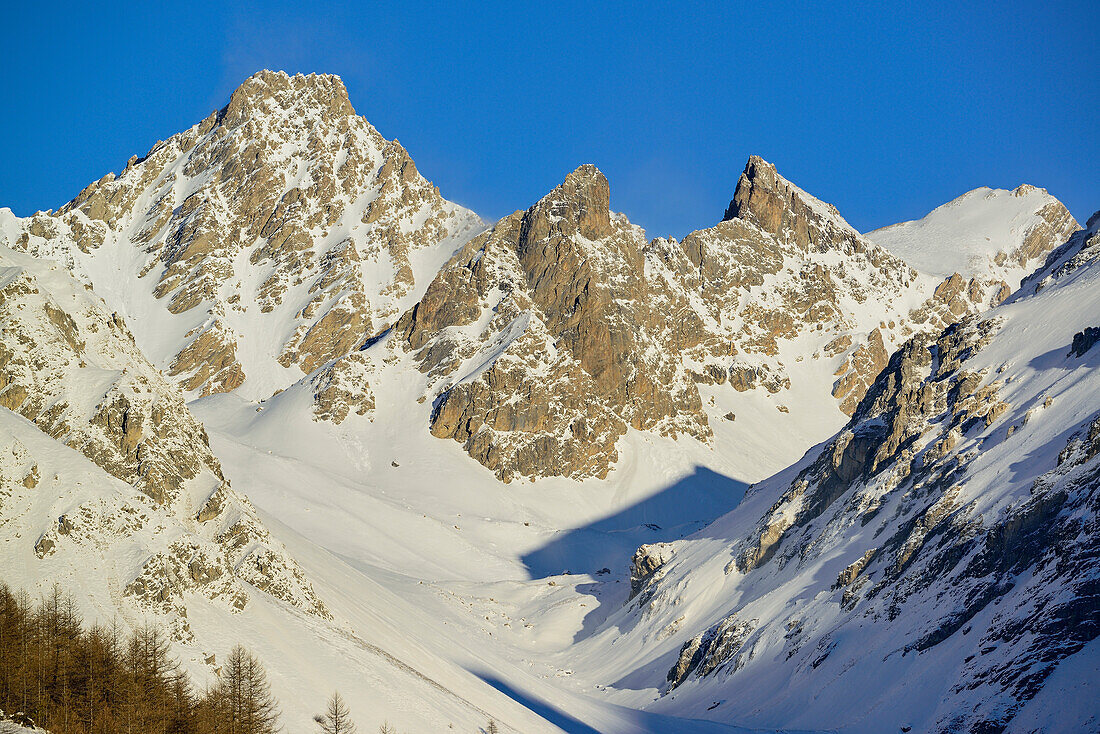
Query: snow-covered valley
(551, 472)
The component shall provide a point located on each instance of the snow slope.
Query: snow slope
(985, 232)
(930, 567)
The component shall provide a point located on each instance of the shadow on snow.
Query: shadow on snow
(558, 718)
(675, 512)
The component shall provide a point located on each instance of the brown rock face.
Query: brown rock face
(209, 363)
(573, 350)
(859, 371)
(769, 201)
(580, 205)
(594, 300)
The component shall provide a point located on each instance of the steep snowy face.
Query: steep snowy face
(932, 566)
(269, 239)
(102, 466)
(545, 339)
(985, 233)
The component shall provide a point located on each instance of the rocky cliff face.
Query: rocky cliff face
(545, 339)
(549, 336)
(945, 537)
(264, 242)
(137, 472)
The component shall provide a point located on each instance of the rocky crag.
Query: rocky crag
(100, 454)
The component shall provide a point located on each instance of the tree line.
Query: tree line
(72, 679)
(98, 680)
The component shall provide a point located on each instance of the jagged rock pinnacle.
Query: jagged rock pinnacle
(579, 204)
(771, 202)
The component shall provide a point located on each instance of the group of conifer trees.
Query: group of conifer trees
(69, 679)
(72, 680)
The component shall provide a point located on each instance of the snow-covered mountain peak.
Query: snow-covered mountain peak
(267, 240)
(985, 233)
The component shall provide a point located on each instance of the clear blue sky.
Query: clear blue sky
(886, 114)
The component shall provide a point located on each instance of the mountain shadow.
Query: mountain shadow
(674, 512)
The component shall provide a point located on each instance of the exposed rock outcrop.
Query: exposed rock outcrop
(71, 370)
(711, 650)
(647, 562)
(1084, 341)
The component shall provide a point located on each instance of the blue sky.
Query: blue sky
(886, 113)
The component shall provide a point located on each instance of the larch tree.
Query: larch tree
(249, 706)
(337, 717)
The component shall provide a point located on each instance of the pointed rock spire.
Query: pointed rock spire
(581, 203)
(777, 206)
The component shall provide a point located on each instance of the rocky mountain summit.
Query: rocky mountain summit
(267, 240)
(947, 533)
(100, 456)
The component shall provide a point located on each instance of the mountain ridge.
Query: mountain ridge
(313, 273)
(983, 231)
